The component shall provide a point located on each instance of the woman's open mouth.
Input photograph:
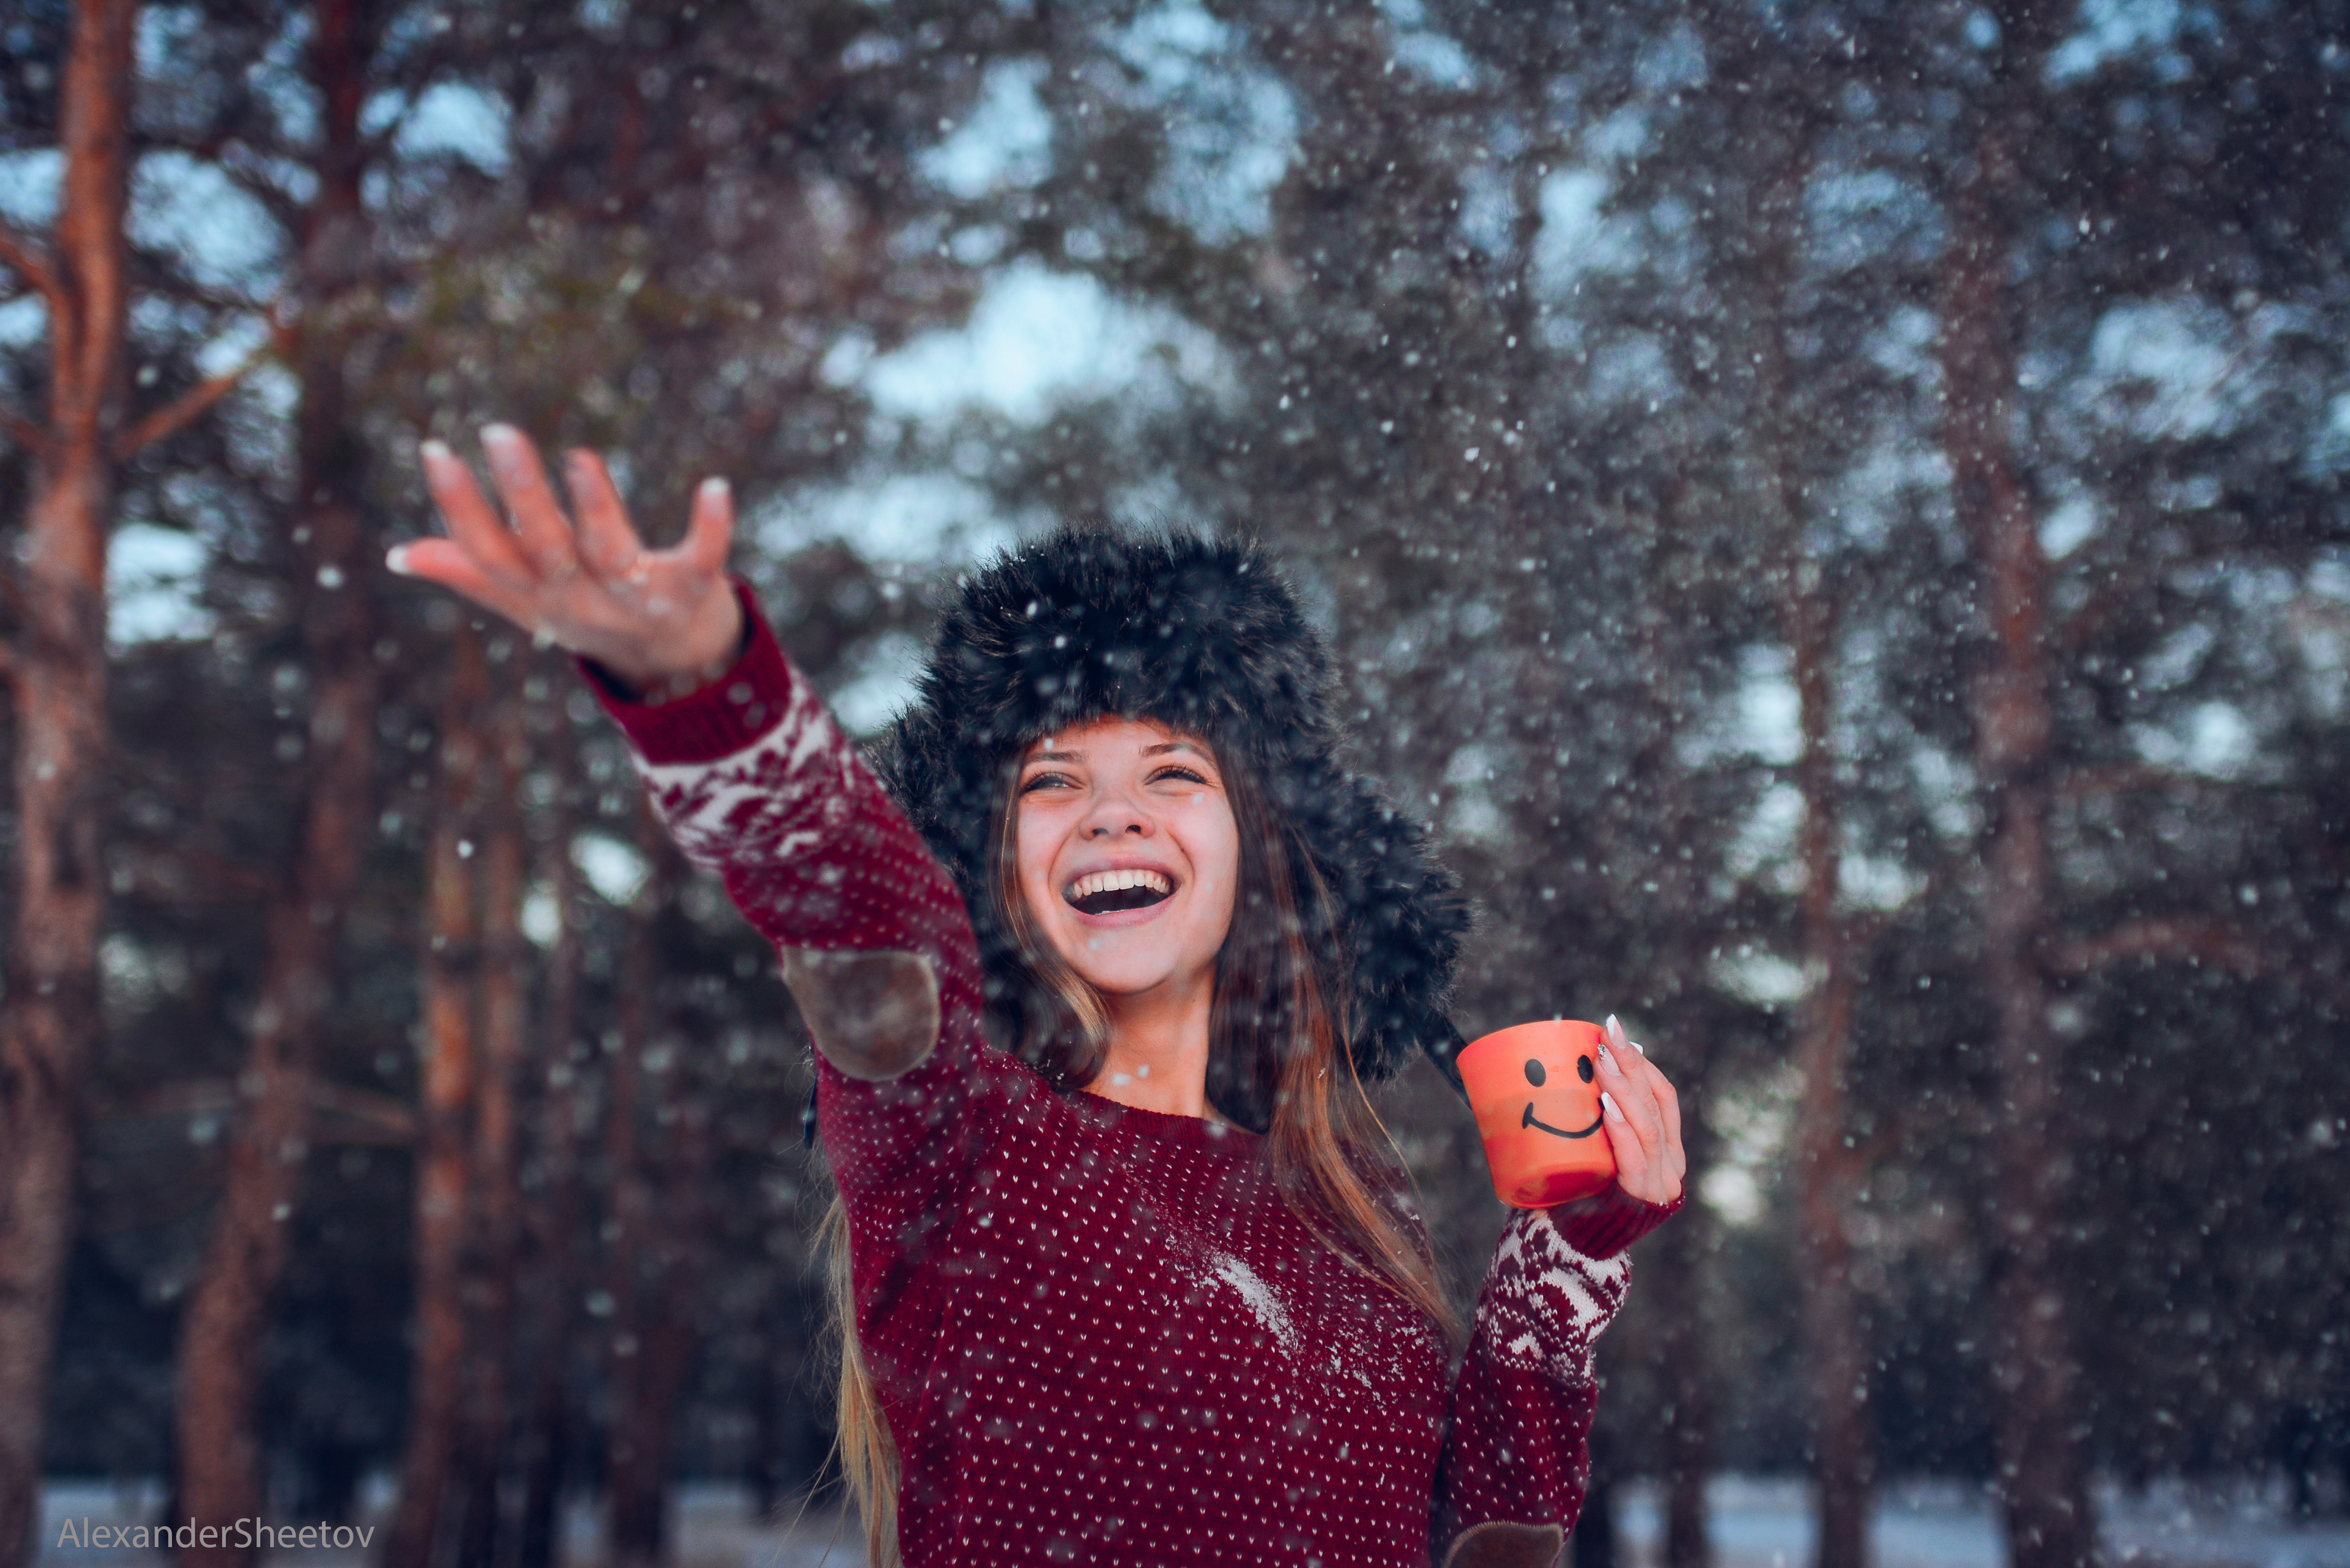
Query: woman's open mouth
(1114, 892)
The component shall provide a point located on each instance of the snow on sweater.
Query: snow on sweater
(1097, 1332)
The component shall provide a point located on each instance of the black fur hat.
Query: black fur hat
(1203, 635)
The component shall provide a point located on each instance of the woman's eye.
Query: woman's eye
(1046, 781)
(1176, 773)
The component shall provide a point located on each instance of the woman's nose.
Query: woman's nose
(1115, 814)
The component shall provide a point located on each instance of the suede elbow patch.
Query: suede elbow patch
(875, 1015)
(1499, 1545)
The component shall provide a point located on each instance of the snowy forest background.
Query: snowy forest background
(1836, 508)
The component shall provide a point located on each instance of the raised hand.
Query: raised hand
(1643, 1117)
(662, 620)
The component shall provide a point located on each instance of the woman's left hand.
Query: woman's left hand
(1643, 1119)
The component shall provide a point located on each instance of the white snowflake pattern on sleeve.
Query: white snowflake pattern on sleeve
(1545, 1303)
(767, 801)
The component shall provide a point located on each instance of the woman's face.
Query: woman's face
(1127, 853)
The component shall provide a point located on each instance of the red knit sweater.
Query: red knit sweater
(1098, 1333)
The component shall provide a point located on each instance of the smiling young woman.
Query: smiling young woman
(1121, 855)
(1097, 947)
(1184, 963)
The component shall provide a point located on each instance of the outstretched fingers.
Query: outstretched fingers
(474, 526)
(539, 523)
(608, 540)
(710, 531)
(450, 564)
(650, 616)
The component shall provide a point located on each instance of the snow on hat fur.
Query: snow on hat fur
(1204, 637)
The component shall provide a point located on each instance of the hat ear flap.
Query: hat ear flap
(1406, 921)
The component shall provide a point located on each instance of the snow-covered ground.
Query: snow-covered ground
(1756, 1523)
(1767, 1523)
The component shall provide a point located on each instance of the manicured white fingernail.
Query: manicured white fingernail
(1635, 1045)
(504, 445)
(1607, 1103)
(433, 450)
(1611, 1025)
(714, 490)
(396, 559)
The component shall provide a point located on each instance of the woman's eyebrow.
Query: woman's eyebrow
(1058, 757)
(1163, 747)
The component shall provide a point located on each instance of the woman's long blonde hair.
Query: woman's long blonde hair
(1277, 1063)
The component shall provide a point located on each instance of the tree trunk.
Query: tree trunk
(556, 1214)
(1835, 1355)
(1843, 1452)
(497, 1184)
(641, 1536)
(451, 966)
(646, 1427)
(766, 1475)
(2042, 1475)
(1593, 1542)
(226, 1323)
(50, 1011)
(1676, 1266)
(637, 1443)
(657, 1273)
(1681, 1252)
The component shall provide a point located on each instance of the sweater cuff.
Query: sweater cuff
(1603, 1225)
(715, 719)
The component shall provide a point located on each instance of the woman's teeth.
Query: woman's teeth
(1114, 881)
(1105, 892)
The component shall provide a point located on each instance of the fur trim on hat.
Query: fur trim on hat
(1204, 637)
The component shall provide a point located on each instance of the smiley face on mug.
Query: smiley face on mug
(1539, 1075)
(1536, 1091)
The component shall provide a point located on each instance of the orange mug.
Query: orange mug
(1534, 1089)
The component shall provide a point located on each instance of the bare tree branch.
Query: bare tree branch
(2124, 778)
(159, 272)
(2160, 936)
(380, 1118)
(24, 433)
(188, 407)
(2192, 940)
(218, 877)
(391, 1121)
(23, 254)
